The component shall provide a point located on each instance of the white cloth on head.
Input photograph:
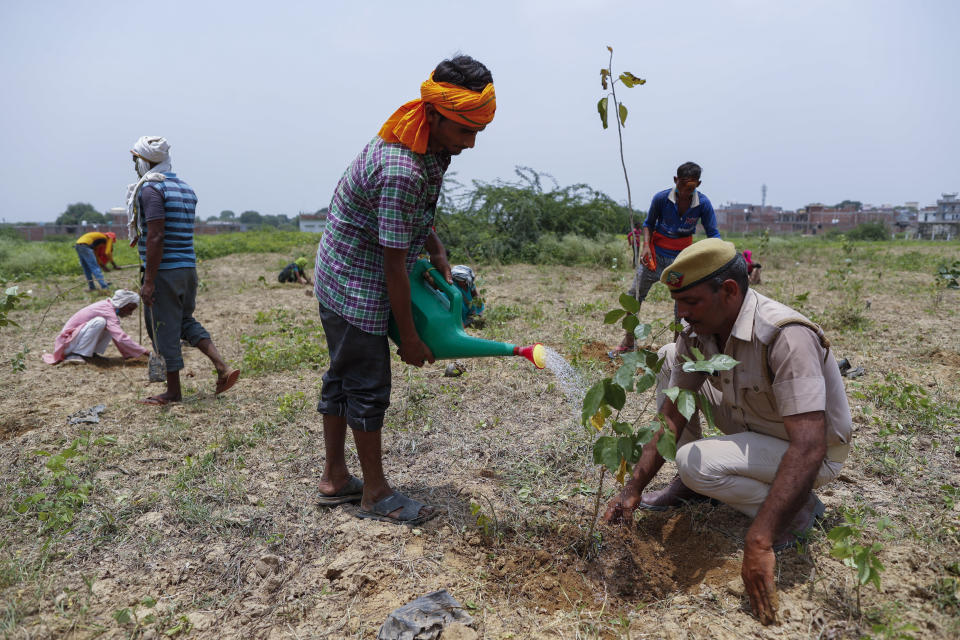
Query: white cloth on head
(156, 150)
(91, 338)
(123, 297)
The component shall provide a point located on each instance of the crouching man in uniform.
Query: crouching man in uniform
(783, 411)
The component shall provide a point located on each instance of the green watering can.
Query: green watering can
(438, 318)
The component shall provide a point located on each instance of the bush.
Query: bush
(509, 222)
(869, 231)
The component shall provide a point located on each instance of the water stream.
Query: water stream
(568, 380)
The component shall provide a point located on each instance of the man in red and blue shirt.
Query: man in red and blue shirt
(668, 230)
(380, 219)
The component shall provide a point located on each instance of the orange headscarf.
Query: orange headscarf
(408, 124)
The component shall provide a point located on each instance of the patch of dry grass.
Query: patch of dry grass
(208, 506)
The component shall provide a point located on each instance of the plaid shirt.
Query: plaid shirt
(386, 198)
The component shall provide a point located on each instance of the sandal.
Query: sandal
(619, 350)
(229, 381)
(409, 510)
(351, 492)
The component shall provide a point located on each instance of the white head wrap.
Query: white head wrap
(155, 150)
(123, 297)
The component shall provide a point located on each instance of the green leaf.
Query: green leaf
(592, 401)
(622, 428)
(654, 362)
(672, 393)
(613, 316)
(602, 108)
(614, 395)
(631, 80)
(606, 452)
(706, 409)
(623, 114)
(630, 323)
(667, 445)
(697, 353)
(645, 434)
(148, 601)
(645, 381)
(629, 303)
(839, 533)
(632, 359)
(122, 616)
(642, 331)
(624, 376)
(625, 448)
(686, 403)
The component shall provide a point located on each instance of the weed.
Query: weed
(286, 345)
(12, 297)
(290, 404)
(63, 492)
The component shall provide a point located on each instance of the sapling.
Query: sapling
(850, 545)
(620, 439)
(609, 83)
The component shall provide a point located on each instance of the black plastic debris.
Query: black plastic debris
(424, 618)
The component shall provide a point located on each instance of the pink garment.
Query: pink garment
(103, 309)
(748, 256)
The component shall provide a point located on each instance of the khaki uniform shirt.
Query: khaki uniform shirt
(785, 368)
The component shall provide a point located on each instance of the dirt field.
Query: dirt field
(199, 520)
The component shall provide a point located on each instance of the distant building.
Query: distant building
(941, 222)
(314, 222)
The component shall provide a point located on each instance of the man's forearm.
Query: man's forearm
(434, 245)
(790, 489)
(398, 291)
(154, 256)
(650, 460)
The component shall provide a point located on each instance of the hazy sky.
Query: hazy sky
(265, 103)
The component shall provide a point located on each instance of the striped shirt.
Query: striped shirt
(178, 212)
(387, 197)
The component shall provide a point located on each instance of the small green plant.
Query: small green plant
(621, 447)
(948, 276)
(489, 526)
(609, 82)
(12, 296)
(290, 404)
(286, 344)
(852, 546)
(64, 492)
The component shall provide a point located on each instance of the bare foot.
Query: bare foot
(161, 400)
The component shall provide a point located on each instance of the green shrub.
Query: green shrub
(869, 231)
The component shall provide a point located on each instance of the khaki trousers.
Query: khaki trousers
(736, 468)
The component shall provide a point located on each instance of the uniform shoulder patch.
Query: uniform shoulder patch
(674, 279)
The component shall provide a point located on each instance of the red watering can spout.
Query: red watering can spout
(535, 353)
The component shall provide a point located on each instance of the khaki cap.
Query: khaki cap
(698, 262)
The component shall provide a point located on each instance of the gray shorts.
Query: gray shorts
(357, 384)
(175, 298)
(644, 278)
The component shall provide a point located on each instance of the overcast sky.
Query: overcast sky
(265, 103)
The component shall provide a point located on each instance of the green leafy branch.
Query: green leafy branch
(620, 440)
(609, 83)
(850, 544)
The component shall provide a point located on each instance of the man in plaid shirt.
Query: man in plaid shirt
(380, 219)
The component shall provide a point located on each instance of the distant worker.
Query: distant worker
(380, 219)
(296, 271)
(667, 230)
(162, 209)
(104, 252)
(88, 332)
(753, 268)
(783, 411)
(89, 246)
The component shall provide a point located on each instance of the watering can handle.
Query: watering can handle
(452, 292)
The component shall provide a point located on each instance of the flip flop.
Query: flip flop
(614, 353)
(351, 492)
(409, 510)
(155, 401)
(230, 380)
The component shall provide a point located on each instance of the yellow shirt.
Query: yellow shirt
(90, 237)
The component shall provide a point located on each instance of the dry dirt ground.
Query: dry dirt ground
(200, 519)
